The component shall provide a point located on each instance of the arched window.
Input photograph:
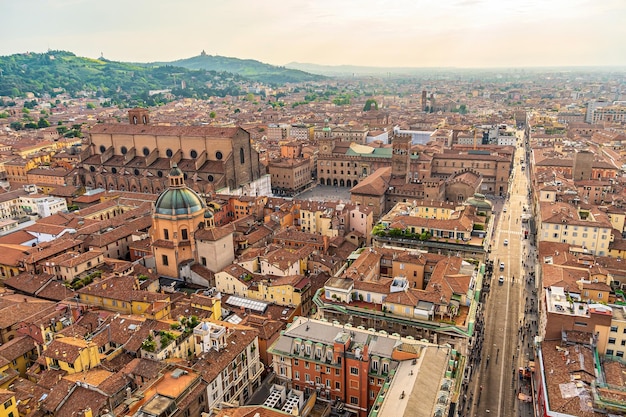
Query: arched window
(103, 149)
(242, 157)
(169, 153)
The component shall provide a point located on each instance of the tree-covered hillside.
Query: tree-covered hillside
(57, 72)
(249, 68)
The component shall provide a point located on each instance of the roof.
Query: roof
(153, 130)
(175, 201)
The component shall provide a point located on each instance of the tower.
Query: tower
(138, 116)
(583, 163)
(401, 156)
(178, 213)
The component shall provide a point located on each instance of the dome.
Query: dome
(178, 201)
(480, 202)
(208, 214)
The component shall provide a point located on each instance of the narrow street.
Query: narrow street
(509, 309)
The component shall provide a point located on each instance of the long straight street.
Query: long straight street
(509, 309)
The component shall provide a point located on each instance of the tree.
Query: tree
(16, 125)
(369, 104)
(91, 106)
(212, 115)
(43, 123)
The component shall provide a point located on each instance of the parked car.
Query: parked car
(501, 279)
(506, 242)
(501, 266)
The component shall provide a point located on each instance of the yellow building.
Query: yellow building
(178, 212)
(210, 304)
(284, 291)
(316, 218)
(20, 353)
(71, 354)
(122, 295)
(9, 405)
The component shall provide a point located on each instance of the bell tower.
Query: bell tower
(138, 116)
(401, 157)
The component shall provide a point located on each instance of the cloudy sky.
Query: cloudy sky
(407, 33)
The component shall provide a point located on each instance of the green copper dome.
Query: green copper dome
(178, 199)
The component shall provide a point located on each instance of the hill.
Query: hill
(56, 72)
(249, 68)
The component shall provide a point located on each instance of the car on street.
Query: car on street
(501, 266)
(506, 242)
(501, 279)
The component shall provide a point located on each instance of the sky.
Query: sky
(381, 33)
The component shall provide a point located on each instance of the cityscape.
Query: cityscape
(218, 236)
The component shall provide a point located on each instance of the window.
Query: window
(218, 155)
(9, 403)
(614, 329)
(184, 234)
(166, 234)
(354, 370)
(354, 400)
(307, 377)
(242, 157)
(610, 352)
(203, 261)
(296, 375)
(385, 367)
(296, 362)
(164, 260)
(620, 354)
(337, 385)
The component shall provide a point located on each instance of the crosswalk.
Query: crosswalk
(510, 232)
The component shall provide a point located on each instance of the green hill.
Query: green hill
(56, 72)
(249, 68)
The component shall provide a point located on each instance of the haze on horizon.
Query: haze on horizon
(398, 33)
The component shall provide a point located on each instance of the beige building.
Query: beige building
(565, 223)
(137, 156)
(290, 175)
(73, 264)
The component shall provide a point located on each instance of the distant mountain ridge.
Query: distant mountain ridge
(248, 68)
